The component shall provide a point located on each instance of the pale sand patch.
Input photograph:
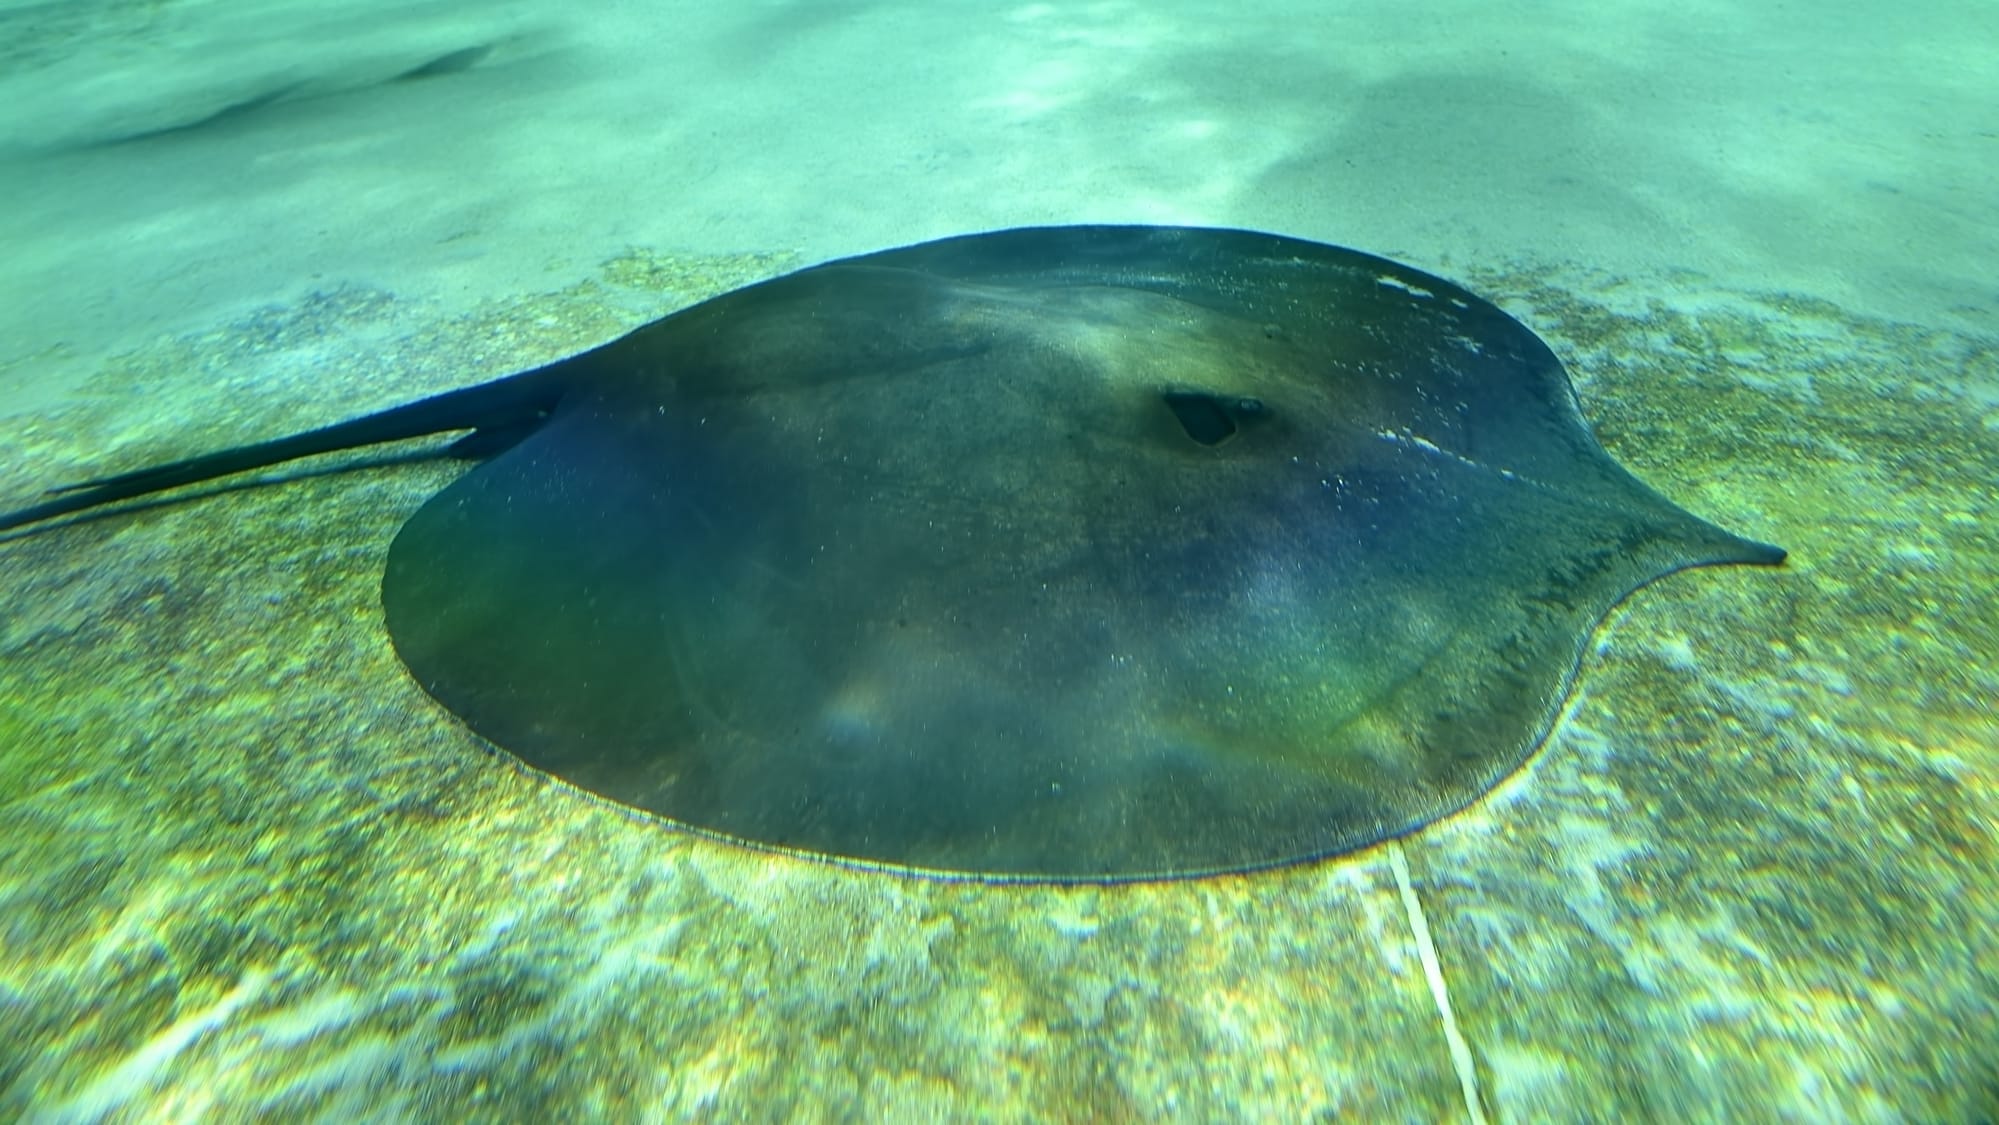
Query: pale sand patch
(1846, 156)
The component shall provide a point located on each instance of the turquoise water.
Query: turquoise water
(249, 869)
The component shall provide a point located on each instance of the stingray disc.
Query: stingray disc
(1072, 553)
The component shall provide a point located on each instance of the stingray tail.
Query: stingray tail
(499, 413)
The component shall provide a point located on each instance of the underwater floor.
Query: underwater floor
(248, 868)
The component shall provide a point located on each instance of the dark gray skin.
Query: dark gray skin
(1079, 553)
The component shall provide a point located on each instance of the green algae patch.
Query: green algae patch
(290, 884)
(244, 859)
(1748, 870)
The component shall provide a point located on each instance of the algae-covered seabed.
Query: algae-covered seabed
(248, 868)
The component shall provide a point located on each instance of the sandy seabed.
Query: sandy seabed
(248, 868)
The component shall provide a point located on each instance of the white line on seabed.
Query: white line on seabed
(1460, 1050)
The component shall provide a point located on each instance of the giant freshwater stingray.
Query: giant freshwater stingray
(1060, 553)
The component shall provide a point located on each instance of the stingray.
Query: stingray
(1074, 553)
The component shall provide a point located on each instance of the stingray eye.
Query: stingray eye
(1201, 416)
(1212, 419)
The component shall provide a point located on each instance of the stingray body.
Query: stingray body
(1061, 553)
